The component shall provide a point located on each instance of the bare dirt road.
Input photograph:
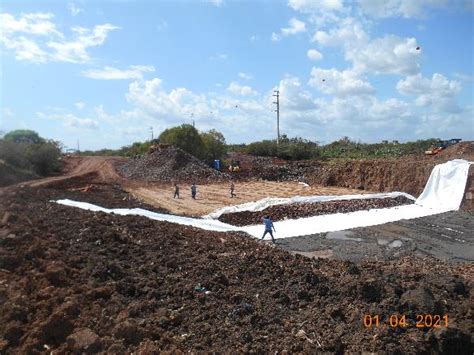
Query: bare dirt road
(102, 167)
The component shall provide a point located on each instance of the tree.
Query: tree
(24, 136)
(214, 144)
(45, 157)
(185, 137)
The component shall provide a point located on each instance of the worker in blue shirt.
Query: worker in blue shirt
(268, 227)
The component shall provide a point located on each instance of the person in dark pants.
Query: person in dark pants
(193, 191)
(176, 191)
(268, 228)
(232, 187)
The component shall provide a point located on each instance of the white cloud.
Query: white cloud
(314, 54)
(253, 38)
(339, 83)
(217, 3)
(34, 38)
(69, 120)
(25, 49)
(81, 123)
(80, 105)
(389, 54)
(348, 34)
(294, 97)
(38, 24)
(242, 90)
(311, 5)
(438, 93)
(275, 37)
(74, 9)
(111, 73)
(404, 8)
(245, 76)
(75, 51)
(295, 26)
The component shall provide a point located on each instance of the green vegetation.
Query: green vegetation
(288, 148)
(185, 137)
(298, 149)
(26, 150)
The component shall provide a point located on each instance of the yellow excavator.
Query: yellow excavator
(441, 145)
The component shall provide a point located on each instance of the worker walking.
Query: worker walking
(232, 187)
(268, 228)
(176, 191)
(193, 191)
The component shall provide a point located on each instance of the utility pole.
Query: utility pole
(78, 146)
(277, 102)
(151, 130)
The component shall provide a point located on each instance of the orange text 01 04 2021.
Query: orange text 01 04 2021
(402, 321)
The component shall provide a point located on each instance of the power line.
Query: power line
(277, 102)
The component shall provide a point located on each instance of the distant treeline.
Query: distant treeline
(300, 149)
(211, 145)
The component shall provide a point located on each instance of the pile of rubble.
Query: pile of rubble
(169, 164)
(301, 210)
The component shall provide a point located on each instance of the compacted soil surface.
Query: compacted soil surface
(301, 210)
(74, 281)
(448, 236)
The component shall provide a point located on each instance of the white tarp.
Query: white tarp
(443, 192)
(260, 205)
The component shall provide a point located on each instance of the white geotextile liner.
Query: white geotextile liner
(443, 192)
(262, 204)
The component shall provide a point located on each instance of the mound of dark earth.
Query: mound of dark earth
(301, 210)
(169, 164)
(74, 281)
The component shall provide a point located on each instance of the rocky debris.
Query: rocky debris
(135, 291)
(84, 341)
(301, 210)
(169, 164)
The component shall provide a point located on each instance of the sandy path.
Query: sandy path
(213, 196)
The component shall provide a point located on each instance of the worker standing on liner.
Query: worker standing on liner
(268, 228)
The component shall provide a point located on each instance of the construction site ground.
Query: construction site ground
(214, 196)
(74, 281)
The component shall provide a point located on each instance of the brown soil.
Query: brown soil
(301, 210)
(77, 281)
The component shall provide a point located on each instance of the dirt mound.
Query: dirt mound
(77, 281)
(301, 210)
(168, 164)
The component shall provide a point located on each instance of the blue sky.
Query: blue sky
(104, 72)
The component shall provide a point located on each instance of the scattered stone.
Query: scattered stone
(84, 341)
